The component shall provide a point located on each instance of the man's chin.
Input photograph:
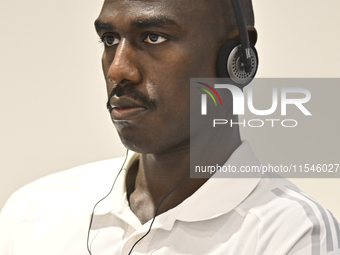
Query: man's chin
(143, 144)
(134, 142)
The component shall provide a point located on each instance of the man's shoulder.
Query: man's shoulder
(278, 198)
(288, 216)
(65, 189)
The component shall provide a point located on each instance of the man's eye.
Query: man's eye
(155, 39)
(110, 40)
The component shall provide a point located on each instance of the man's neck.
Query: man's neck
(157, 175)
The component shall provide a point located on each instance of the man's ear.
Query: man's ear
(252, 33)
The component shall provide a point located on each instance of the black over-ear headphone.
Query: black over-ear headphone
(237, 58)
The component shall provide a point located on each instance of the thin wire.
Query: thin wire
(173, 189)
(92, 214)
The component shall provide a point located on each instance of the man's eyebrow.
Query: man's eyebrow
(157, 21)
(100, 25)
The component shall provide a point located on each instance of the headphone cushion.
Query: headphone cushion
(223, 55)
(223, 60)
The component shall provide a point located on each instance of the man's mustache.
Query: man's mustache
(131, 92)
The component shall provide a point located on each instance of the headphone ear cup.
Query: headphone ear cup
(229, 63)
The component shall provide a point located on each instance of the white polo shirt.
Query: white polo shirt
(260, 216)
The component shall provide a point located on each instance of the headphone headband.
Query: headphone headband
(244, 38)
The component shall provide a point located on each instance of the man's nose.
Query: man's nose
(124, 65)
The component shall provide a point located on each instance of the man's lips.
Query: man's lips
(124, 108)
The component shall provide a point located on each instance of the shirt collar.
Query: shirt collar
(219, 196)
(216, 197)
(105, 200)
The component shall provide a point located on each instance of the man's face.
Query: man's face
(152, 49)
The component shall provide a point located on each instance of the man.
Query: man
(152, 49)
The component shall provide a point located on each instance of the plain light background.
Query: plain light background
(52, 97)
